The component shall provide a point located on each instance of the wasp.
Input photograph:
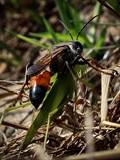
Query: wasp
(63, 57)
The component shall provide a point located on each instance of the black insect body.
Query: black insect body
(62, 56)
(69, 56)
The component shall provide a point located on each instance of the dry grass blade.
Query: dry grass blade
(88, 132)
(114, 99)
(112, 154)
(6, 82)
(41, 154)
(105, 81)
(8, 90)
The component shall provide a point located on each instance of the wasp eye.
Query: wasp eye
(77, 46)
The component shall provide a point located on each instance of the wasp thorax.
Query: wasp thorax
(72, 55)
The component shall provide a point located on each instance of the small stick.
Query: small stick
(17, 126)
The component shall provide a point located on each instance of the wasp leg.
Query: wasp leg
(20, 94)
(35, 53)
(76, 79)
(92, 63)
(81, 62)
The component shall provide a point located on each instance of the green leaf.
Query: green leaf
(33, 41)
(77, 22)
(65, 12)
(93, 28)
(115, 4)
(61, 90)
(99, 43)
(71, 19)
(50, 30)
(62, 37)
(101, 40)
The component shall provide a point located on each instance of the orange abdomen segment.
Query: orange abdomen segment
(41, 79)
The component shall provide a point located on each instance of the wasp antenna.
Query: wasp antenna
(86, 25)
(66, 28)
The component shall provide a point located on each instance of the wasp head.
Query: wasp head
(76, 48)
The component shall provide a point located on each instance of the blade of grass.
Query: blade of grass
(64, 11)
(62, 37)
(114, 4)
(35, 42)
(99, 43)
(104, 3)
(93, 28)
(50, 30)
(62, 88)
(105, 81)
(71, 19)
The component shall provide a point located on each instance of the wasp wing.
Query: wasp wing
(45, 61)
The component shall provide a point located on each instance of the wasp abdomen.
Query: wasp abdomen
(39, 85)
(37, 95)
